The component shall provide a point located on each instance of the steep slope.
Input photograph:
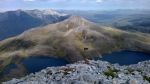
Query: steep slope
(73, 39)
(15, 22)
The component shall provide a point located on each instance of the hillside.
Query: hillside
(89, 72)
(73, 39)
(129, 20)
(15, 22)
(133, 23)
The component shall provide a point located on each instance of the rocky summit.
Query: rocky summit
(89, 72)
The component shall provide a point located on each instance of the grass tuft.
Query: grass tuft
(147, 78)
(111, 73)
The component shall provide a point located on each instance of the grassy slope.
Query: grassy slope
(74, 39)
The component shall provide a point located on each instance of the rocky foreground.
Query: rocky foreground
(90, 72)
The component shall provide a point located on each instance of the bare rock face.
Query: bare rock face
(91, 72)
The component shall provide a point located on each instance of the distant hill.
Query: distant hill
(15, 22)
(73, 39)
(130, 20)
(139, 23)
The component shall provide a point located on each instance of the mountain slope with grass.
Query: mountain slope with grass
(129, 20)
(15, 22)
(73, 39)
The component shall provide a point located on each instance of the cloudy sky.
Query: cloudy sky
(74, 4)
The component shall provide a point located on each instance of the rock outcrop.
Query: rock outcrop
(90, 72)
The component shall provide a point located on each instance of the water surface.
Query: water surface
(34, 64)
(126, 57)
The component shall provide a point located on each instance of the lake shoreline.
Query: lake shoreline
(90, 72)
(33, 64)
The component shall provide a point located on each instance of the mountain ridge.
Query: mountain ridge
(73, 39)
(15, 22)
(77, 23)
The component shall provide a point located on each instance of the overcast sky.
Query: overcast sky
(74, 4)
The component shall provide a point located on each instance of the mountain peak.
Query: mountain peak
(52, 12)
(44, 12)
(77, 20)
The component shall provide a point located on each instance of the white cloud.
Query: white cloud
(46, 0)
(30, 0)
(99, 1)
(85, 1)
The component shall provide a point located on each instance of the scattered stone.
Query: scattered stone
(90, 72)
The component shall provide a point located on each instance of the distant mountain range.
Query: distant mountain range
(130, 20)
(15, 22)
